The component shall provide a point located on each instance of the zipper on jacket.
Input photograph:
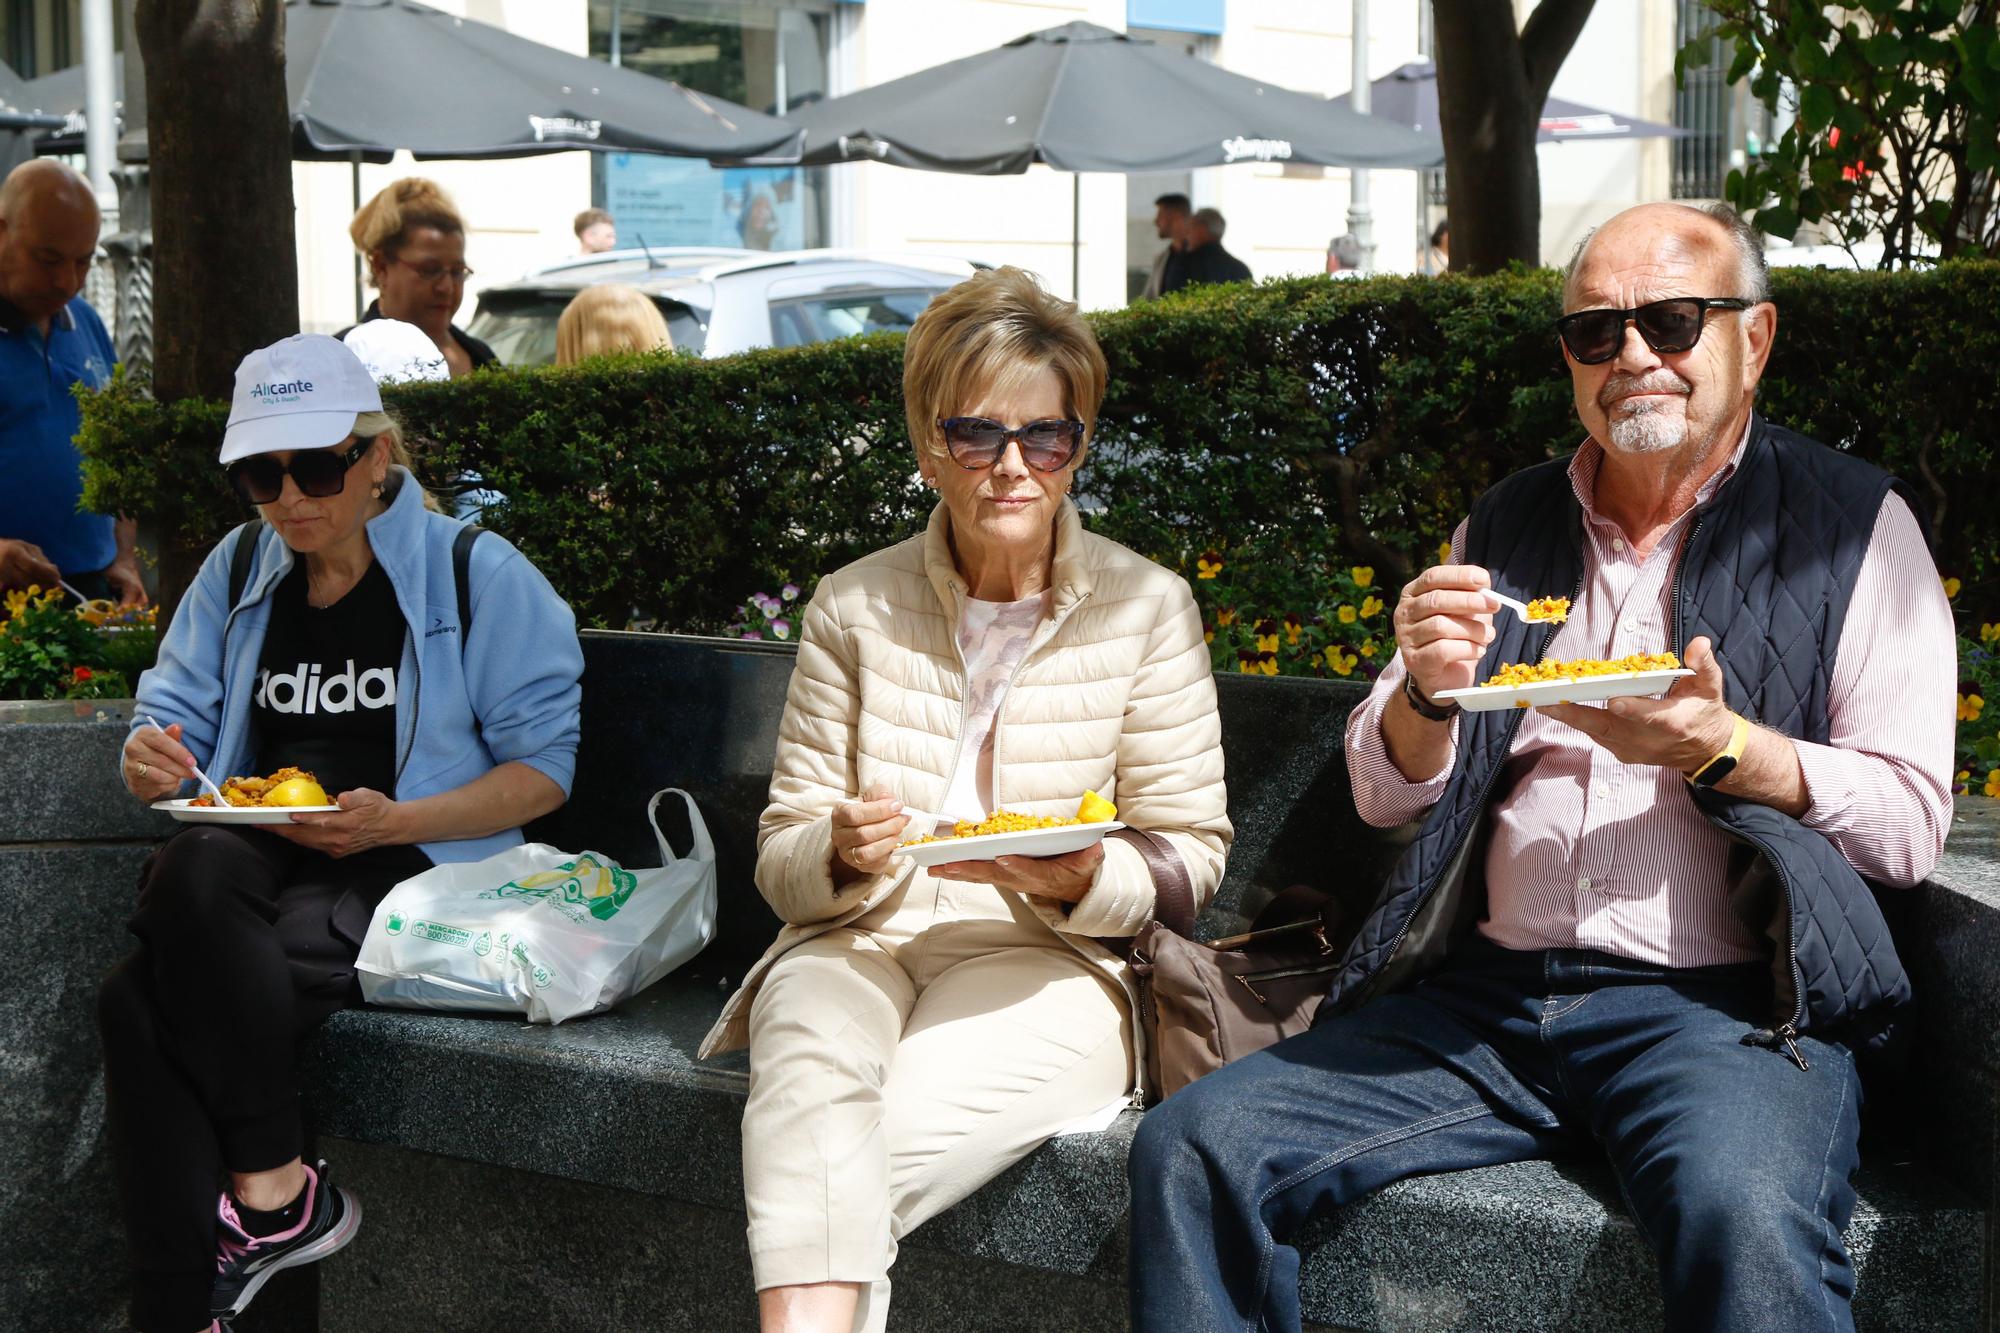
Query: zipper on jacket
(1786, 1032)
(1485, 790)
(416, 704)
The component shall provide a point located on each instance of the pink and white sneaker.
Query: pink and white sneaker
(244, 1263)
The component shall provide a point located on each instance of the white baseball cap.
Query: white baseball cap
(302, 392)
(396, 352)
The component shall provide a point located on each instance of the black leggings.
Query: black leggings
(247, 942)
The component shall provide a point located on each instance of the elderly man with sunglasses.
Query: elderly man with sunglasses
(1646, 930)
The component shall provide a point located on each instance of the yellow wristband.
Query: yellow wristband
(1720, 767)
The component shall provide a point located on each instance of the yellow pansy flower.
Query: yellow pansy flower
(1969, 706)
(1209, 565)
(1346, 615)
(1368, 648)
(1225, 617)
(1293, 625)
(1951, 587)
(1960, 778)
(1988, 633)
(1268, 664)
(1371, 607)
(1363, 575)
(1246, 664)
(1341, 660)
(1267, 643)
(1993, 783)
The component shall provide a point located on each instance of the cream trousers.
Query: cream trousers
(899, 1063)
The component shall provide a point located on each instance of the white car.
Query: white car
(718, 302)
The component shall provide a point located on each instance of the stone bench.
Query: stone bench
(610, 1127)
(586, 1177)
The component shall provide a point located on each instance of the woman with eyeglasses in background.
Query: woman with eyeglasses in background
(915, 1032)
(326, 637)
(414, 241)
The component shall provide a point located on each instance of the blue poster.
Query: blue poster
(684, 201)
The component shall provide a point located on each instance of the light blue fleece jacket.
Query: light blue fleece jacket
(512, 695)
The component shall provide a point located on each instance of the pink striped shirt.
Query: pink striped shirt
(1593, 853)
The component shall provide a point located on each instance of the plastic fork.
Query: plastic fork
(1519, 608)
(221, 801)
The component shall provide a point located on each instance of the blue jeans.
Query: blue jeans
(1733, 1160)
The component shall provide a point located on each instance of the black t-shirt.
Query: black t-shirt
(326, 684)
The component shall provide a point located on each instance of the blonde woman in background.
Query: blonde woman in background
(413, 238)
(609, 318)
(912, 1032)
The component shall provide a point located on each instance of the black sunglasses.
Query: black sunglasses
(319, 473)
(1673, 325)
(1046, 445)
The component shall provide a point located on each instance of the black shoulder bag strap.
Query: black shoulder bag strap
(1173, 893)
(242, 559)
(461, 575)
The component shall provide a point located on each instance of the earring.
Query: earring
(377, 492)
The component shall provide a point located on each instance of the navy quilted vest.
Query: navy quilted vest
(1766, 574)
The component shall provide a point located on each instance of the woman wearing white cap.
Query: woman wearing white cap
(328, 637)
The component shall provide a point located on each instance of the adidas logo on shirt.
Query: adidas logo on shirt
(306, 691)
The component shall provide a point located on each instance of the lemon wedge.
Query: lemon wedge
(1094, 809)
(297, 791)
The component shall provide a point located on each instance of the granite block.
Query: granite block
(59, 774)
(450, 1247)
(62, 914)
(1533, 1247)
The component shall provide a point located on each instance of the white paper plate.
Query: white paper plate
(1028, 842)
(1581, 690)
(189, 813)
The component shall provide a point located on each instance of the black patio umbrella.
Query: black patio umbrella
(18, 120)
(1409, 97)
(1084, 98)
(368, 77)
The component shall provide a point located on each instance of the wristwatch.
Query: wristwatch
(1436, 712)
(1720, 767)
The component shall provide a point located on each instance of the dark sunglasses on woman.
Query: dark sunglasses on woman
(318, 473)
(1046, 445)
(1673, 325)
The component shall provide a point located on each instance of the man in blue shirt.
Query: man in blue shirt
(51, 340)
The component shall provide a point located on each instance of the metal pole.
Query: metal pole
(1076, 237)
(617, 32)
(354, 168)
(100, 132)
(1360, 216)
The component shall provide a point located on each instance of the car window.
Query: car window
(521, 326)
(844, 314)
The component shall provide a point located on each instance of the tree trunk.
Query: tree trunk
(225, 267)
(1492, 82)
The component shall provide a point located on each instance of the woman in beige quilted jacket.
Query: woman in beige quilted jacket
(913, 1033)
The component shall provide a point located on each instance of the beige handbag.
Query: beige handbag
(1202, 1005)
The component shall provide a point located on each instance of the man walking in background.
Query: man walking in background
(50, 341)
(1206, 260)
(1170, 219)
(1343, 256)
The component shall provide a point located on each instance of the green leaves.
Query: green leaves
(1895, 103)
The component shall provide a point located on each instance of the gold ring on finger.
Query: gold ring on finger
(144, 769)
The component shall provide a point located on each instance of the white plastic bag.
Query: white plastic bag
(540, 931)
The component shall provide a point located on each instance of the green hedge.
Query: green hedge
(1288, 431)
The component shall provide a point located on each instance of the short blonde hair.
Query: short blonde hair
(995, 329)
(609, 317)
(379, 425)
(384, 222)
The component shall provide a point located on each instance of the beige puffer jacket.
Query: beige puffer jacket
(1114, 696)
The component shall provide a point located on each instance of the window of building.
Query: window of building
(1702, 105)
(770, 57)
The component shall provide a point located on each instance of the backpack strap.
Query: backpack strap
(243, 558)
(461, 575)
